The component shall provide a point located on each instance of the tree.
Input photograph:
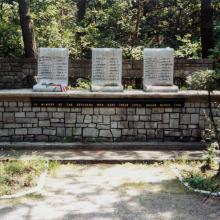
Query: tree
(27, 29)
(81, 9)
(206, 27)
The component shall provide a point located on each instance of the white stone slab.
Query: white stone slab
(52, 69)
(107, 69)
(158, 70)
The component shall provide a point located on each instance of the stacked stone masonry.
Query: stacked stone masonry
(19, 121)
(20, 73)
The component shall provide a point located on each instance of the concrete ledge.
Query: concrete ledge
(24, 94)
(181, 146)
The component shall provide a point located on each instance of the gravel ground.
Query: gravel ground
(125, 192)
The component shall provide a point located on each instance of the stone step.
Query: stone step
(133, 146)
(85, 156)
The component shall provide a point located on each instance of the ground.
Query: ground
(125, 192)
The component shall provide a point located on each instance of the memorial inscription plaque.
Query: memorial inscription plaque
(158, 70)
(107, 70)
(52, 70)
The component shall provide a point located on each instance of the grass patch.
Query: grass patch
(18, 174)
(200, 180)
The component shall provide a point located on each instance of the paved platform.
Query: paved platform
(101, 156)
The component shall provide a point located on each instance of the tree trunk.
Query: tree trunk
(81, 10)
(206, 27)
(27, 29)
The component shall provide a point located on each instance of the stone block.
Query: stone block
(121, 111)
(133, 118)
(194, 118)
(151, 134)
(70, 118)
(77, 131)
(19, 114)
(157, 110)
(166, 118)
(150, 124)
(80, 118)
(138, 124)
(190, 110)
(58, 114)
(114, 125)
(97, 118)
(174, 123)
(61, 132)
(140, 111)
(116, 117)
(88, 119)
(30, 114)
(35, 131)
(131, 111)
(42, 114)
(103, 126)
(21, 131)
(69, 132)
(174, 115)
(116, 133)
(106, 119)
(90, 132)
(122, 124)
(105, 133)
(144, 117)
(129, 132)
(87, 111)
(3, 132)
(185, 119)
(107, 111)
(156, 117)
(8, 117)
(49, 131)
(44, 123)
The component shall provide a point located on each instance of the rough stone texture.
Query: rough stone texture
(20, 121)
(20, 73)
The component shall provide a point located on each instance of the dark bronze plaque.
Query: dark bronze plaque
(108, 102)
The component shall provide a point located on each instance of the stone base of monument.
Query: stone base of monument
(97, 88)
(46, 88)
(150, 88)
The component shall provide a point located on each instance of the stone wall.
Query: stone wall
(19, 73)
(20, 121)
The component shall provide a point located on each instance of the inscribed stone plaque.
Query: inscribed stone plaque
(106, 69)
(158, 69)
(52, 69)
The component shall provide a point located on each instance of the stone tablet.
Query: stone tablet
(158, 70)
(52, 70)
(107, 70)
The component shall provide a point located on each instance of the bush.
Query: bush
(198, 181)
(203, 80)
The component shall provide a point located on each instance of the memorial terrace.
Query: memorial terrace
(80, 116)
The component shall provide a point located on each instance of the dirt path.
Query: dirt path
(125, 192)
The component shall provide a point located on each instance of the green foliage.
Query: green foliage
(10, 32)
(189, 48)
(17, 174)
(203, 80)
(216, 50)
(199, 181)
(131, 25)
(82, 84)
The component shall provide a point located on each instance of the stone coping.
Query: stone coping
(21, 94)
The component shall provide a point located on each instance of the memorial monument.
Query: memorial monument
(158, 70)
(52, 70)
(106, 70)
